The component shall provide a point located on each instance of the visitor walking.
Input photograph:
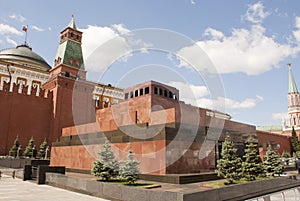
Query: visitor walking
(297, 163)
(13, 174)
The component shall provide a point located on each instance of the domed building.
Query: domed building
(24, 67)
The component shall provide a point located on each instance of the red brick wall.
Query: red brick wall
(69, 103)
(23, 115)
(265, 138)
(72, 102)
(155, 157)
(82, 157)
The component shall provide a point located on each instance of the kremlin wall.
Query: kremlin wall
(76, 116)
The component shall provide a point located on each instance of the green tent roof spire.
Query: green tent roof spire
(69, 50)
(72, 23)
(292, 84)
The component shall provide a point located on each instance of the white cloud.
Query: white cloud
(280, 14)
(250, 51)
(213, 33)
(245, 104)
(297, 24)
(197, 95)
(227, 103)
(11, 41)
(279, 116)
(255, 13)
(19, 18)
(97, 36)
(194, 55)
(94, 36)
(247, 51)
(102, 46)
(6, 29)
(193, 2)
(120, 28)
(297, 32)
(190, 91)
(36, 28)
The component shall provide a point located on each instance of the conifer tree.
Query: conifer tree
(29, 149)
(229, 166)
(14, 149)
(295, 141)
(285, 154)
(130, 169)
(43, 148)
(252, 166)
(272, 164)
(106, 167)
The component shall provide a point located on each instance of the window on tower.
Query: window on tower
(160, 92)
(155, 90)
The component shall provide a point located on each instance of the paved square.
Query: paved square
(18, 190)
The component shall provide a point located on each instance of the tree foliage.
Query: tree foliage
(252, 166)
(43, 147)
(14, 149)
(106, 167)
(229, 166)
(285, 154)
(272, 164)
(29, 149)
(295, 141)
(130, 169)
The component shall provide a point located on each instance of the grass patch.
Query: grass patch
(214, 184)
(222, 183)
(125, 183)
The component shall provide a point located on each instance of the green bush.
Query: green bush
(252, 166)
(106, 167)
(229, 166)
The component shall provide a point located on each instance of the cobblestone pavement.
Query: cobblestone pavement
(18, 190)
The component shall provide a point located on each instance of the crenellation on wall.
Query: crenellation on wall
(25, 90)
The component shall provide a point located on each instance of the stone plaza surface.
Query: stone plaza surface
(288, 195)
(18, 190)
(186, 192)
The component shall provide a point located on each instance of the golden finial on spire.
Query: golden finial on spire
(289, 65)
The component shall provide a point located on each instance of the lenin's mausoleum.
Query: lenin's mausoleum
(76, 116)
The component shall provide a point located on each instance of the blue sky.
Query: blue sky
(249, 42)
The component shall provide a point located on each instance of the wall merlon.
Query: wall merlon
(24, 90)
